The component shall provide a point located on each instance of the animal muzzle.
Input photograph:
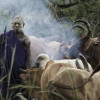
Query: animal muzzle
(37, 65)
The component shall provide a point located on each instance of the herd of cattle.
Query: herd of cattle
(63, 72)
(71, 78)
(57, 48)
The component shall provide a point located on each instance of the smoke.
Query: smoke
(39, 20)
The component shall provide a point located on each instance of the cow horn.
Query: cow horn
(24, 71)
(87, 25)
(85, 63)
(78, 64)
(80, 26)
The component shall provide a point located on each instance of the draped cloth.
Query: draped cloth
(9, 44)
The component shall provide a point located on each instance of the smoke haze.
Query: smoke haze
(39, 20)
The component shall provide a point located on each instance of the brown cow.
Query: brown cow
(31, 76)
(65, 82)
(51, 71)
(89, 47)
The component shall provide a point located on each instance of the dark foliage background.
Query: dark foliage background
(88, 10)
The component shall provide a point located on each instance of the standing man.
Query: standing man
(15, 55)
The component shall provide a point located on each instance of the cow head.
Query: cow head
(87, 46)
(92, 49)
(31, 79)
(41, 61)
(78, 47)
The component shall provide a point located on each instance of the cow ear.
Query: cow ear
(49, 63)
(87, 44)
(23, 71)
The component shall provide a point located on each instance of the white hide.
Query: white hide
(36, 47)
(70, 62)
(52, 49)
(39, 46)
(42, 59)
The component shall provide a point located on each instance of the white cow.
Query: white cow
(75, 63)
(54, 49)
(36, 47)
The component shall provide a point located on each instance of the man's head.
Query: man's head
(18, 23)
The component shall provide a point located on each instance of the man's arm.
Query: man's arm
(28, 53)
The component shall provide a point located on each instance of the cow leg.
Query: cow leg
(45, 96)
